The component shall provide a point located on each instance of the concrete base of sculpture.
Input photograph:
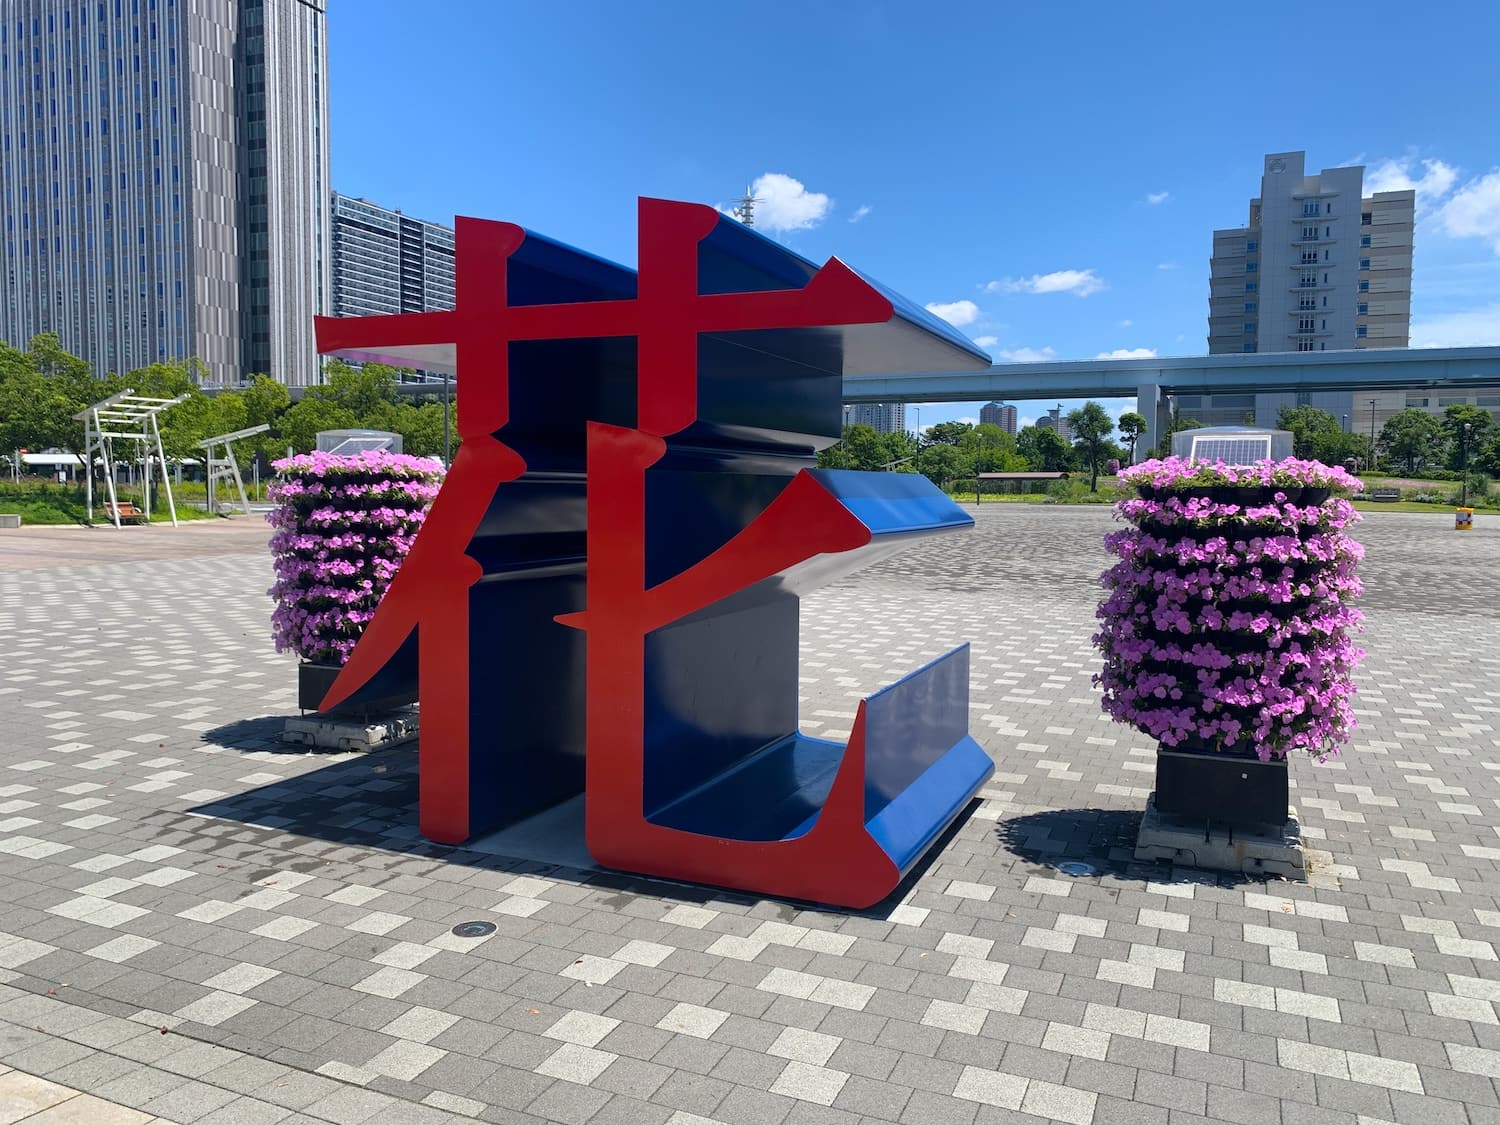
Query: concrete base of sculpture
(351, 733)
(1216, 848)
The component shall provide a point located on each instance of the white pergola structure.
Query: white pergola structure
(126, 416)
(226, 467)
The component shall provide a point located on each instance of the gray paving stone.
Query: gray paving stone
(250, 1111)
(1033, 564)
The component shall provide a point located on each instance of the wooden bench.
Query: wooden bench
(125, 511)
(1385, 495)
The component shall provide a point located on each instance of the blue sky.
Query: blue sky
(1048, 175)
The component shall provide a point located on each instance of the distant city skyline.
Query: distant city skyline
(1092, 246)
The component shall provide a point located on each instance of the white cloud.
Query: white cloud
(860, 212)
(971, 421)
(956, 313)
(784, 204)
(986, 341)
(1022, 423)
(1026, 355)
(1126, 323)
(1472, 328)
(1128, 353)
(1155, 197)
(1436, 180)
(1078, 282)
(1166, 265)
(1473, 211)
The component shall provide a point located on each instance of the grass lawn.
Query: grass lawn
(44, 503)
(1408, 506)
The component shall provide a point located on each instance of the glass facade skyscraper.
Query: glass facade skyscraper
(387, 262)
(164, 181)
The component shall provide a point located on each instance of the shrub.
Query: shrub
(343, 525)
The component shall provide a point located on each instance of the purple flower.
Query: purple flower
(1231, 624)
(343, 525)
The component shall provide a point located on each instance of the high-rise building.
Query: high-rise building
(387, 262)
(883, 417)
(1319, 267)
(998, 414)
(164, 181)
(1054, 420)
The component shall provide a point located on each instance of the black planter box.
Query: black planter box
(1222, 788)
(314, 680)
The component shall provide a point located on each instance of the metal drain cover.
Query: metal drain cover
(1073, 868)
(474, 929)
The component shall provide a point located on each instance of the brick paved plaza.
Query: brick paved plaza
(198, 924)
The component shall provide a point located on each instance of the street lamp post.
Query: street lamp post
(1463, 464)
(1372, 434)
(447, 410)
(844, 438)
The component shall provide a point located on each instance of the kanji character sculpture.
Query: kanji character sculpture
(604, 597)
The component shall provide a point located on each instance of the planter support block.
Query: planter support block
(1222, 848)
(359, 735)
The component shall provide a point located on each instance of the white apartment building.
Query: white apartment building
(882, 417)
(1320, 266)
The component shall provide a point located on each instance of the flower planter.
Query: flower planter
(314, 680)
(343, 526)
(1201, 786)
(1228, 618)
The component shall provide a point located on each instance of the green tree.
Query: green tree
(1091, 425)
(1487, 457)
(865, 447)
(1044, 449)
(992, 449)
(360, 390)
(301, 424)
(900, 451)
(947, 433)
(943, 463)
(420, 426)
(40, 391)
(1132, 427)
(1480, 422)
(1114, 451)
(266, 401)
(1313, 431)
(1414, 438)
(50, 359)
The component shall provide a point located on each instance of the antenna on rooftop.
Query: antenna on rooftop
(745, 212)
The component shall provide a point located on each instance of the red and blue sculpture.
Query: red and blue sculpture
(604, 597)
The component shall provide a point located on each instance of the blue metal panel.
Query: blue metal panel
(892, 503)
(735, 258)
